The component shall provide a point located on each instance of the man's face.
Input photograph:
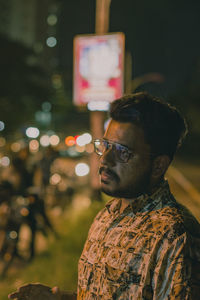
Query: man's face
(126, 180)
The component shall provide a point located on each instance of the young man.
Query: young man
(142, 245)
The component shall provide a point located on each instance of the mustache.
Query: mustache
(109, 172)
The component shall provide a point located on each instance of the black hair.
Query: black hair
(164, 127)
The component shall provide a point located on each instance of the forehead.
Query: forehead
(127, 134)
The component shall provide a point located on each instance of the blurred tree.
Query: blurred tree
(24, 84)
(66, 117)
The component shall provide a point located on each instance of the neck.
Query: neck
(126, 201)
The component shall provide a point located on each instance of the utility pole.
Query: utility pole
(102, 16)
(97, 117)
(128, 73)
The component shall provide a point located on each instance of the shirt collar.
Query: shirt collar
(142, 203)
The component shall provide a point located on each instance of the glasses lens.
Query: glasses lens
(99, 147)
(122, 154)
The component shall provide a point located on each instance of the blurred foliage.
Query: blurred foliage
(24, 83)
(66, 117)
(57, 265)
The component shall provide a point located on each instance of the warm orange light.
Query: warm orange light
(33, 146)
(69, 141)
(76, 136)
(7, 257)
(24, 212)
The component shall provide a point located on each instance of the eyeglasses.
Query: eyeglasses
(121, 152)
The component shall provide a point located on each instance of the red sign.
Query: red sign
(98, 68)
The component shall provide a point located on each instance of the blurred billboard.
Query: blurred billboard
(98, 70)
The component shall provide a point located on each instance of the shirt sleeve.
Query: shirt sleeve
(176, 275)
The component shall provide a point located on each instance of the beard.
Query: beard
(139, 186)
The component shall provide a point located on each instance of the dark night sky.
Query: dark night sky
(162, 36)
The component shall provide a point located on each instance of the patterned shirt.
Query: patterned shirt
(151, 250)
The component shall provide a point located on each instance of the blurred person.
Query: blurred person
(6, 193)
(44, 165)
(37, 219)
(21, 171)
(18, 173)
(11, 221)
(143, 244)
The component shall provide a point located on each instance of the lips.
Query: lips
(105, 176)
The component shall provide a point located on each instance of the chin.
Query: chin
(121, 193)
(108, 192)
(112, 193)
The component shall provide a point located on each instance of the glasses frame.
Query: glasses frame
(110, 143)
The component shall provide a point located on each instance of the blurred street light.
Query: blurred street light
(15, 147)
(70, 141)
(54, 140)
(32, 132)
(82, 169)
(52, 19)
(44, 140)
(5, 161)
(2, 125)
(51, 41)
(33, 146)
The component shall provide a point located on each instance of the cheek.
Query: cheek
(126, 172)
(132, 172)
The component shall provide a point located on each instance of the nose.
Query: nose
(108, 158)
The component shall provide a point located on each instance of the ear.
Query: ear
(160, 166)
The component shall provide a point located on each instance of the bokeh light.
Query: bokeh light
(34, 146)
(51, 41)
(54, 140)
(13, 234)
(24, 212)
(82, 169)
(55, 179)
(80, 141)
(32, 132)
(52, 20)
(87, 137)
(2, 125)
(15, 147)
(84, 139)
(70, 141)
(5, 161)
(44, 140)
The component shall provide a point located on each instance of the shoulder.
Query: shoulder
(171, 215)
(174, 221)
(103, 215)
